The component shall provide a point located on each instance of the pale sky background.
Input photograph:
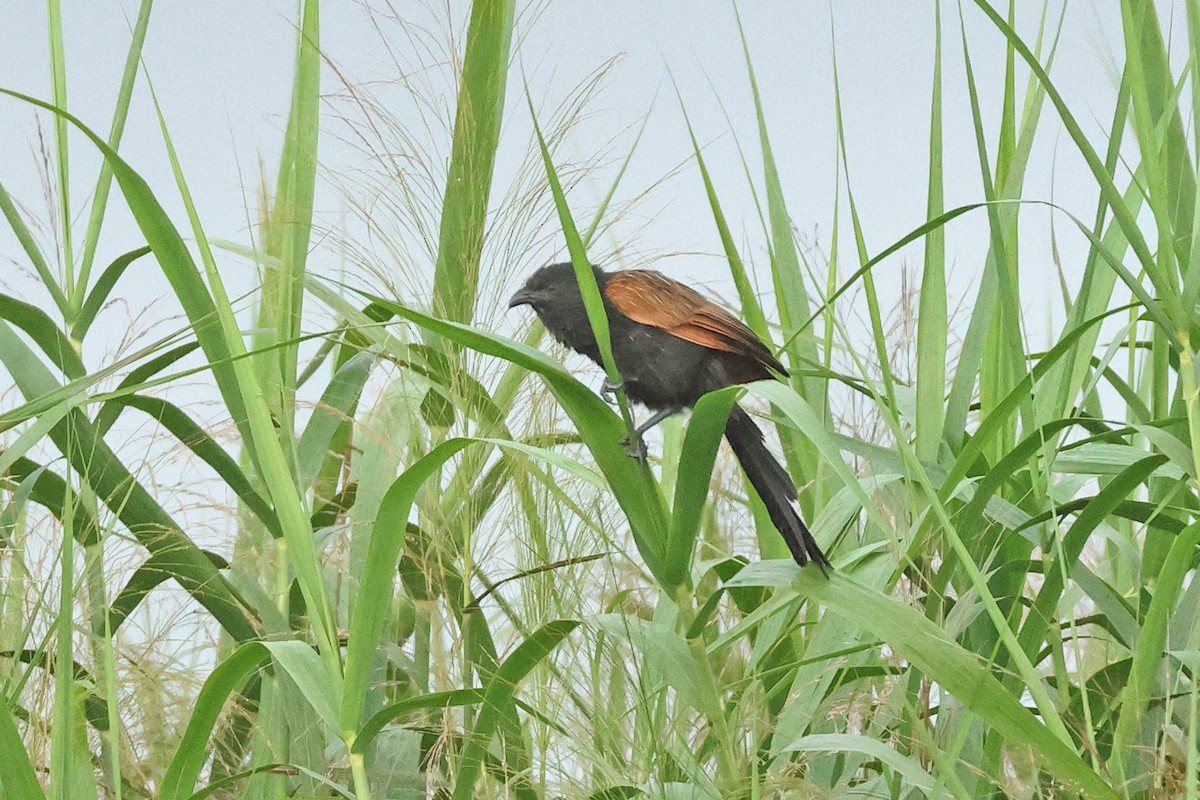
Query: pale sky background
(222, 71)
(222, 68)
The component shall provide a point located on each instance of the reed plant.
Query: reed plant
(446, 578)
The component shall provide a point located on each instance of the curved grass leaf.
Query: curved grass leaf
(1070, 547)
(47, 488)
(19, 778)
(302, 664)
(669, 657)
(116, 487)
(337, 401)
(451, 699)
(589, 289)
(906, 766)
(956, 671)
(704, 433)
(176, 262)
(973, 449)
(499, 693)
(373, 601)
(44, 333)
(223, 784)
(179, 779)
(139, 375)
(32, 251)
(1149, 651)
(269, 428)
(99, 294)
(196, 439)
(157, 569)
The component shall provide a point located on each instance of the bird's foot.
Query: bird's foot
(635, 447)
(608, 391)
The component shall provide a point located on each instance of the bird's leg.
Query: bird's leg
(607, 390)
(658, 417)
(635, 445)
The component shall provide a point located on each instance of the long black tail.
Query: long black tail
(774, 486)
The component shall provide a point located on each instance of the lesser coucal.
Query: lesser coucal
(671, 345)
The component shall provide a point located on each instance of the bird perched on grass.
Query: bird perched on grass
(672, 345)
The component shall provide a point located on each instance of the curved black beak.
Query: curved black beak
(523, 297)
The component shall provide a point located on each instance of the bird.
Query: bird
(671, 345)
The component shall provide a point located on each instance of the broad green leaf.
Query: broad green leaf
(114, 485)
(472, 158)
(17, 779)
(956, 671)
(339, 398)
(99, 203)
(100, 292)
(907, 766)
(932, 323)
(499, 691)
(704, 433)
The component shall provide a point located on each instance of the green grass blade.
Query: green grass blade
(791, 299)
(906, 766)
(177, 264)
(499, 693)
(881, 348)
(955, 670)
(179, 779)
(374, 597)
(590, 234)
(287, 233)
(472, 158)
(272, 448)
(99, 294)
(449, 699)
(1108, 188)
(998, 309)
(751, 308)
(645, 485)
(45, 334)
(32, 251)
(104, 181)
(58, 82)
(114, 485)
(932, 323)
(335, 404)
(196, 439)
(704, 432)
(19, 780)
(592, 301)
(1148, 654)
(791, 295)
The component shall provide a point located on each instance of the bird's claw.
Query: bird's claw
(635, 447)
(608, 391)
